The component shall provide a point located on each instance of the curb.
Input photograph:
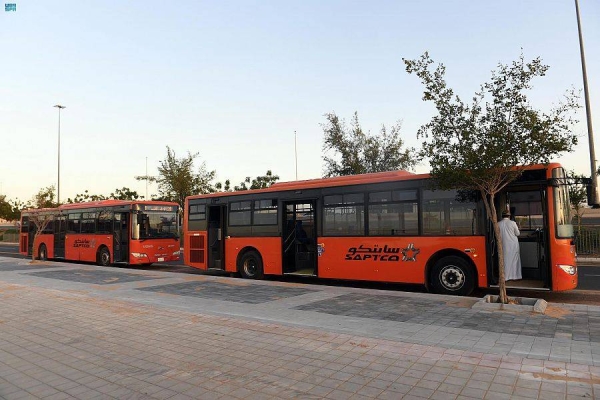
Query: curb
(526, 304)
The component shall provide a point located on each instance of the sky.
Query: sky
(246, 84)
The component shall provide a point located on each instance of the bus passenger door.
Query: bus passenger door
(60, 231)
(216, 235)
(121, 238)
(530, 211)
(299, 238)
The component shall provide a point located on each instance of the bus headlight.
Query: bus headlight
(139, 255)
(176, 253)
(569, 269)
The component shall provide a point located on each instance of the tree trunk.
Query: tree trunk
(33, 245)
(491, 211)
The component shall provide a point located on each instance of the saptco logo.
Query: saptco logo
(385, 253)
(84, 243)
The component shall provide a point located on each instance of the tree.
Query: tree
(485, 145)
(125, 194)
(85, 197)
(223, 187)
(357, 152)
(578, 195)
(119, 194)
(5, 208)
(177, 179)
(40, 221)
(45, 198)
(260, 182)
(16, 207)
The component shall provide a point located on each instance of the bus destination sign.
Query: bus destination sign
(159, 208)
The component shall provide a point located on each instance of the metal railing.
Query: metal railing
(9, 237)
(587, 240)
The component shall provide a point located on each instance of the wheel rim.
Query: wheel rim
(250, 267)
(105, 257)
(452, 277)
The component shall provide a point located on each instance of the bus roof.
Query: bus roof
(102, 203)
(346, 180)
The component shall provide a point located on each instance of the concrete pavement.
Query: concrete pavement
(80, 331)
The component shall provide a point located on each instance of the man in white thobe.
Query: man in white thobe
(510, 247)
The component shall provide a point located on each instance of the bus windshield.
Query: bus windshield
(155, 224)
(562, 205)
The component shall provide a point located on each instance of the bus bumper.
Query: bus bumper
(565, 277)
(144, 258)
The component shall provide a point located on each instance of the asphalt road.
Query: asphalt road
(587, 292)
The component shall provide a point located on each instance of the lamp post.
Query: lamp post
(58, 183)
(588, 110)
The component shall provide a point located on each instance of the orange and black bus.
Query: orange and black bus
(106, 232)
(387, 227)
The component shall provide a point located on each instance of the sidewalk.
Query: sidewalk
(80, 331)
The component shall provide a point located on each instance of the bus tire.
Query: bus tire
(452, 275)
(251, 266)
(43, 253)
(104, 257)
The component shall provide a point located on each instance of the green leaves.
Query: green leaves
(498, 130)
(352, 151)
(177, 178)
(260, 182)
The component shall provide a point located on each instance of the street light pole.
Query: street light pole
(296, 154)
(58, 183)
(588, 110)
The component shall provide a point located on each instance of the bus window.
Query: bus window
(105, 221)
(443, 214)
(344, 215)
(239, 213)
(562, 206)
(74, 223)
(393, 213)
(265, 212)
(155, 224)
(527, 209)
(88, 222)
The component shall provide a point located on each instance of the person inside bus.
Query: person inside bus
(301, 236)
(510, 247)
(147, 231)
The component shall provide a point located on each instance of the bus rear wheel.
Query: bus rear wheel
(43, 253)
(104, 257)
(250, 266)
(452, 275)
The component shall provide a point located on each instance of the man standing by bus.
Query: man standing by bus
(510, 247)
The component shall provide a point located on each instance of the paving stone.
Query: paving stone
(61, 340)
(96, 277)
(252, 294)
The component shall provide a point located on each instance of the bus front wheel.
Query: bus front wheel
(452, 275)
(104, 257)
(251, 265)
(43, 253)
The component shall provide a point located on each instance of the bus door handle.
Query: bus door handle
(219, 234)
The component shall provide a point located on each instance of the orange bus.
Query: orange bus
(106, 232)
(387, 227)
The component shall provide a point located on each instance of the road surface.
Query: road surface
(587, 292)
